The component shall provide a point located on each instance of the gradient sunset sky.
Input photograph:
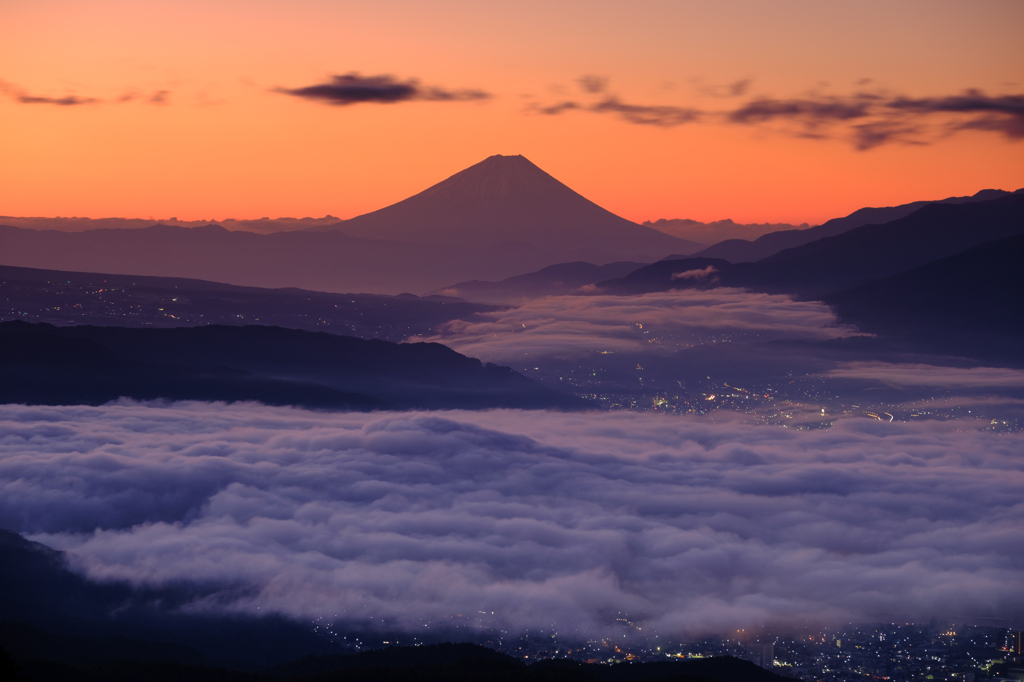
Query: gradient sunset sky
(757, 111)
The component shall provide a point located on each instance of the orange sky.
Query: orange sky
(223, 143)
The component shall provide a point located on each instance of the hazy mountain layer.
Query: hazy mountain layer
(564, 278)
(261, 225)
(320, 261)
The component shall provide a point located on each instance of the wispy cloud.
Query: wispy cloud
(22, 96)
(879, 118)
(664, 116)
(916, 374)
(867, 119)
(353, 88)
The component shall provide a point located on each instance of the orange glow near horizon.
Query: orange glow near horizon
(223, 144)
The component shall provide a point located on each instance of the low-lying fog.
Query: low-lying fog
(770, 357)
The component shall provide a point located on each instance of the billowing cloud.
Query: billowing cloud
(560, 326)
(517, 519)
(353, 88)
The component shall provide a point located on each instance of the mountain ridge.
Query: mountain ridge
(843, 261)
(746, 251)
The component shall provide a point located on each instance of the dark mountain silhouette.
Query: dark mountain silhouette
(42, 364)
(506, 200)
(61, 297)
(554, 280)
(745, 251)
(864, 253)
(972, 302)
(52, 613)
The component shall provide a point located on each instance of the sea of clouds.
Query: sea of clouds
(525, 519)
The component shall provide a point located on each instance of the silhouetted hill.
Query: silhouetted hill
(507, 199)
(555, 280)
(744, 251)
(60, 297)
(49, 612)
(720, 668)
(858, 255)
(472, 662)
(40, 363)
(396, 657)
(959, 303)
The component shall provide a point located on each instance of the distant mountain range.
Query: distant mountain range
(43, 364)
(499, 218)
(717, 231)
(934, 231)
(743, 251)
(261, 225)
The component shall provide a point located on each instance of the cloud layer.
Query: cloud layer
(353, 88)
(867, 119)
(563, 326)
(541, 518)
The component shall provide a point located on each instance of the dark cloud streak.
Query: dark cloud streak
(23, 97)
(353, 88)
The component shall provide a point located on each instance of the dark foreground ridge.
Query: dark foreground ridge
(43, 657)
(43, 364)
(56, 625)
